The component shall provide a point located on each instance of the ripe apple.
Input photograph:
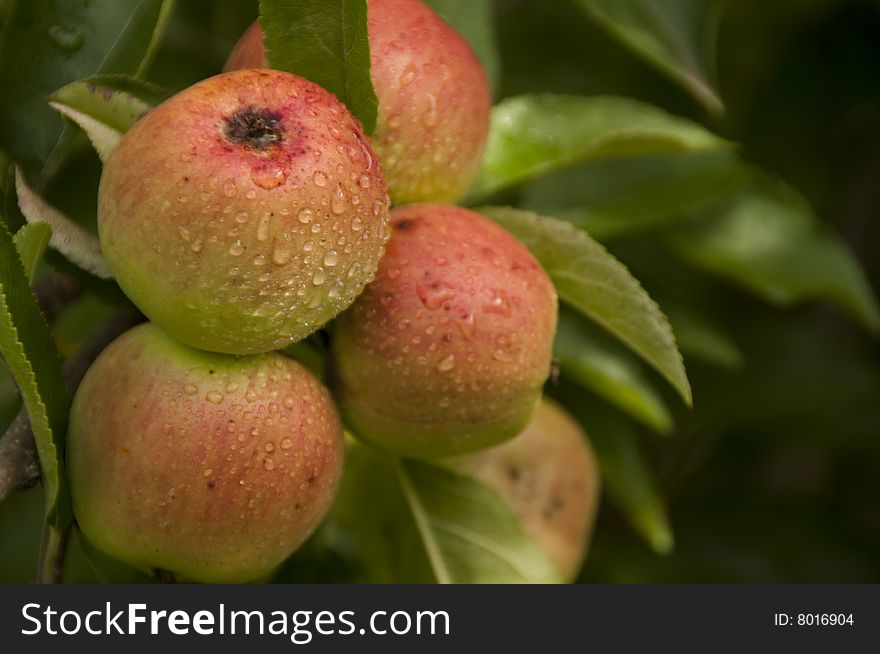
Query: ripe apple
(448, 349)
(434, 100)
(243, 213)
(212, 467)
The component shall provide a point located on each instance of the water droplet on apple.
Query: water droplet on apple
(434, 294)
(263, 227)
(408, 75)
(339, 203)
(499, 302)
(282, 253)
(429, 118)
(447, 364)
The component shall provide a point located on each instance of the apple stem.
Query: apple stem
(53, 549)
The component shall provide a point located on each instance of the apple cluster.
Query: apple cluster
(249, 211)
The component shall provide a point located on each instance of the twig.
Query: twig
(19, 464)
(53, 549)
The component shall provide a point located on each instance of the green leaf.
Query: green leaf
(630, 484)
(46, 44)
(420, 522)
(533, 135)
(676, 36)
(469, 534)
(475, 21)
(105, 107)
(626, 476)
(27, 347)
(9, 399)
(372, 509)
(326, 42)
(79, 246)
(592, 281)
(621, 197)
(31, 241)
(769, 241)
(594, 360)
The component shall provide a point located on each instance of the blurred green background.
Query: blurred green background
(774, 476)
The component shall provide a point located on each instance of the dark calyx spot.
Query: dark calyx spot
(255, 128)
(403, 224)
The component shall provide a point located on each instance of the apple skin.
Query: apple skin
(212, 467)
(447, 350)
(243, 213)
(434, 100)
(549, 477)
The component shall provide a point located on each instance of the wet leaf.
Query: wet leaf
(593, 281)
(63, 42)
(533, 135)
(596, 361)
(420, 522)
(326, 42)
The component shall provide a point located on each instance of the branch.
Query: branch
(19, 464)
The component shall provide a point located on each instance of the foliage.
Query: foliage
(324, 41)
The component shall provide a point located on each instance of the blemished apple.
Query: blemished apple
(212, 467)
(549, 477)
(243, 213)
(434, 100)
(448, 349)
